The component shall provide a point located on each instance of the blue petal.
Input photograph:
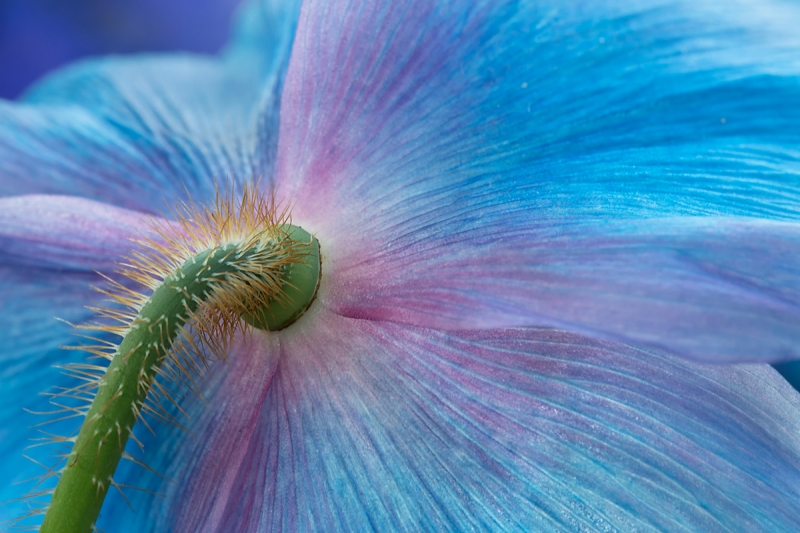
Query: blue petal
(495, 132)
(584, 109)
(131, 131)
(367, 426)
(264, 34)
(30, 345)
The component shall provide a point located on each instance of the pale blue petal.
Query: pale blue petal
(264, 34)
(135, 130)
(130, 132)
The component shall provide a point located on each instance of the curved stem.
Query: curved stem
(121, 392)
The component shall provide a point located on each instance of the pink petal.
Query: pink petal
(712, 289)
(67, 232)
(378, 426)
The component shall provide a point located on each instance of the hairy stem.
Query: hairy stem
(122, 391)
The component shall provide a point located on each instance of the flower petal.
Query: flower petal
(231, 406)
(709, 288)
(67, 232)
(376, 426)
(136, 130)
(30, 344)
(132, 130)
(454, 143)
(561, 108)
(264, 33)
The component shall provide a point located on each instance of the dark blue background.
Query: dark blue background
(37, 36)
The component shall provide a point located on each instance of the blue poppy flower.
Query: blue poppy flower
(560, 244)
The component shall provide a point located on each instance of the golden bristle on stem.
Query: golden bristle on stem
(208, 275)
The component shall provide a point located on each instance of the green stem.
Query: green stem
(121, 393)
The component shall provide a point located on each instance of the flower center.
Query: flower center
(215, 269)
